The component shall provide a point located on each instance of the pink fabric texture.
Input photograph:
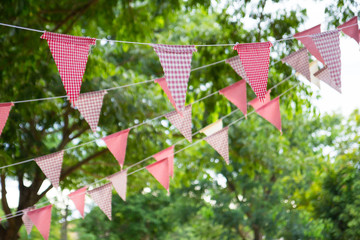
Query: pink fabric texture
(89, 105)
(102, 197)
(255, 58)
(26, 220)
(163, 85)
(236, 64)
(78, 198)
(51, 166)
(236, 93)
(169, 154)
(176, 63)
(182, 121)
(4, 114)
(119, 181)
(350, 28)
(117, 143)
(160, 171)
(41, 218)
(308, 42)
(324, 75)
(70, 54)
(299, 60)
(255, 103)
(219, 141)
(271, 112)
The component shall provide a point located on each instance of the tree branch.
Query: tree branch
(4, 202)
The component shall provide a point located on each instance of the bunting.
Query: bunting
(4, 114)
(324, 75)
(160, 171)
(102, 197)
(119, 181)
(51, 166)
(256, 104)
(41, 218)
(219, 141)
(163, 85)
(169, 154)
(271, 112)
(212, 128)
(26, 220)
(299, 60)
(116, 144)
(236, 93)
(78, 198)
(236, 64)
(350, 28)
(182, 121)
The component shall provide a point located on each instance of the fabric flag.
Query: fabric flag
(160, 171)
(219, 141)
(116, 143)
(89, 105)
(236, 64)
(299, 60)
(255, 103)
(313, 69)
(41, 218)
(308, 41)
(70, 54)
(51, 166)
(271, 112)
(328, 44)
(176, 63)
(78, 198)
(350, 28)
(102, 197)
(212, 128)
(26, 220)
(255, 58)
(324, 75)
(169, 154)
(4, 114)
(119, 181)
(182, 121)
(164, 86)
(236, 93)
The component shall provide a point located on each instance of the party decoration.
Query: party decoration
(299, 60)
(26, 220)
(236, 93)
(163, 84)
(271, 112)
(117, 143)
(324, 75)
(119, 181)
(219, 141)
(350, 28)
(236, 64)
(41, 218)
(182, 121)
(169, 154)
(160, 171)
(51, 166)
(212, 128)
(102, 197)
(4, 114)
(78, 198)
(255, 103)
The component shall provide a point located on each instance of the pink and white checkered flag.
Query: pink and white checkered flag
(51, 166)
(116, 144)
(236, 93)
(102, 197)
(308, 41)
(256, 104)
(182, 122)
(78, 198)
(220, 142)
(41, 218)
(271, 112)
(328, 44)
(4, 114)
(89, 105)
(324, 75)
(119, 181)
(176, 63)
(236, 64)
(169, 154)
(26, 220)
(350, 28)
(255, 58)
(160, 171)
(163, 84)
(70, 54)
(299, 60)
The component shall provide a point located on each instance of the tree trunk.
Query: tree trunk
(11, 231)
(257, 232)
(65, 224)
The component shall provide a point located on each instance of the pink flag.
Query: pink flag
(160, 170)
(324, 75)
(163, 85)
(255, 103)
(89, 105)
(182, 121)
(219, 141)
(255, 59)
(4, 114)
(271, 112)
(119, 181)
(236, 93)
(41, 218)
(236, 64)
(328, 44)
(51, 166)
(26, 220)
(299, 60)
(350, 28)
(116, 143)
(70, 54)
(169, 154)
(78, 198)
(102, 197)
(308, 41)
(176, 63)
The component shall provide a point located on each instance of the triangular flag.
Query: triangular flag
(236, 64)
(182, 121)
(324, 75)
(26, 220)
(160, 171)
(78, 198)
(116, 143)
(313, 69)
(4, 114)
(255, 58)
(119, 181)
(169, 154)
(41, 218)
(102, 197)
(176, 63)
(219, 141)
(299, 60)
(89, 105)
(70, 54)
(350, 28)
(236, 93)
(212, 128)
(309, 43)
(163, 84)
(271, 112)
(255, 103)
(328, 44)
(51, 166)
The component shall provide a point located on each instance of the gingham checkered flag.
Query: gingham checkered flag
(26, 220)
(350, 28)
(182, 122)
(324, 75)
(102, 197)
(236, 64)
(299, 60)
(220, 142)
(51, 166)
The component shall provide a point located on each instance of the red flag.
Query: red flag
(236, 64)
(219, 141)
(271, 112)
(119, 181)
(26, 220)
(169, 154)
(160, 170)
(182, 121)
(350, 28)
(51, 166)
(70, 54)
(299, 60)
(324, 75)
(78, 198)
(255, 103)
(4, 114)
(102, 197)
(163, 85)
(41, 218)
(236, 93)
(116, 143)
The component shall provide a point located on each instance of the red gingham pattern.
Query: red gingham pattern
(219, 141)
(182, 122)
(26, 220)
(176, 63)
(350, 28)
(255, 59)
(102, 197)
(324, 75)
(299, 60)
(328, 44)
(235, 63)
(51, 166)
(70, 54)
(4, 114)
(89, 105)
